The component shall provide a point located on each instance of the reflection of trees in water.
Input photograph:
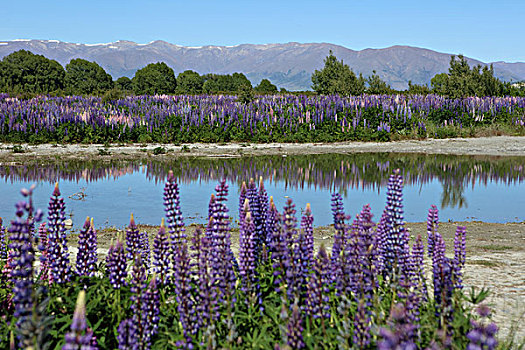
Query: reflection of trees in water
(453, 195)
(336, 172)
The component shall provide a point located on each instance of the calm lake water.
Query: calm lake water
(489, 189)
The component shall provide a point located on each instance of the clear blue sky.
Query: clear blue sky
(486, 30)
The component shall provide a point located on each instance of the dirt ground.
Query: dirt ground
(495, 260)
(494, 146)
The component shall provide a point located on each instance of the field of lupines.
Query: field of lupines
(370, 291)
(266, 119)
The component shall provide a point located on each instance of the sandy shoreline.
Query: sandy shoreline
(488, 146)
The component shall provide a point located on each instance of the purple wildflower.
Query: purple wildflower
(317, 294)
(87, 250)
(432, 228)
(150, 311)
(264, 209)
(161, 254)
(133, 241)
(307, 226)
(144, 249)
(400, 332)
(173, 212)
(3, 241)
(443, 282)
(43, 246)
(362, 322)
(182, 283)
(294, 333)
(247, 248)
(80, 336)
(482, 336)
(339, 237)
(460, 253)
(242, 199)
(21, 266)
(58, 249)
(272, 225)
(116, 263)
(206, 301)
(127, 335)
(394, 252)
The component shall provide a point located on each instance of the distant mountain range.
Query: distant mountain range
(287, 65)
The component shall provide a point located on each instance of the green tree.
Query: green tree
(189, 82)
(463, 81)
(124, 84)
(155, 78)
(266, 87)
(439, 84)
(239, 81)
(245, 93)
(225, 83)
(84, 77)
(415, 89)
(337, 78)
(23, 71)
(377, 86)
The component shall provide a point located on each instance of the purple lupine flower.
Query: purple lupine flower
(247, 248)
(482, 336)
(339, 236)
(173, 212)
(396, 236)
(211, 206)
(57, 240)
(161, 254)
(87, 250)
(418, 275)
(150, 311)
(264, 206)
(281, 255)
(294, 278)
(460, 253)
(206, 300)
(80, 337)
(21, 266)
(272, 225)
(182, 283)
(127, 335)
(3, 241)
(133, 239)
(363, 253)
(381, 242)
(138, 286)
(307, 226)
(317, 294)
(443, 282)
(43, 246)
(222, 255)
(362, 322)
(400, 333)
(432, 228)
(116, 264)
(144, 249)
(252, 194)
(294, 329)
(242, 199)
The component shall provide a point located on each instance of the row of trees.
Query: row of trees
(24, 72)
(460, 81)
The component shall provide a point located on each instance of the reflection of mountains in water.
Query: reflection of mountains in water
(336, 172)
